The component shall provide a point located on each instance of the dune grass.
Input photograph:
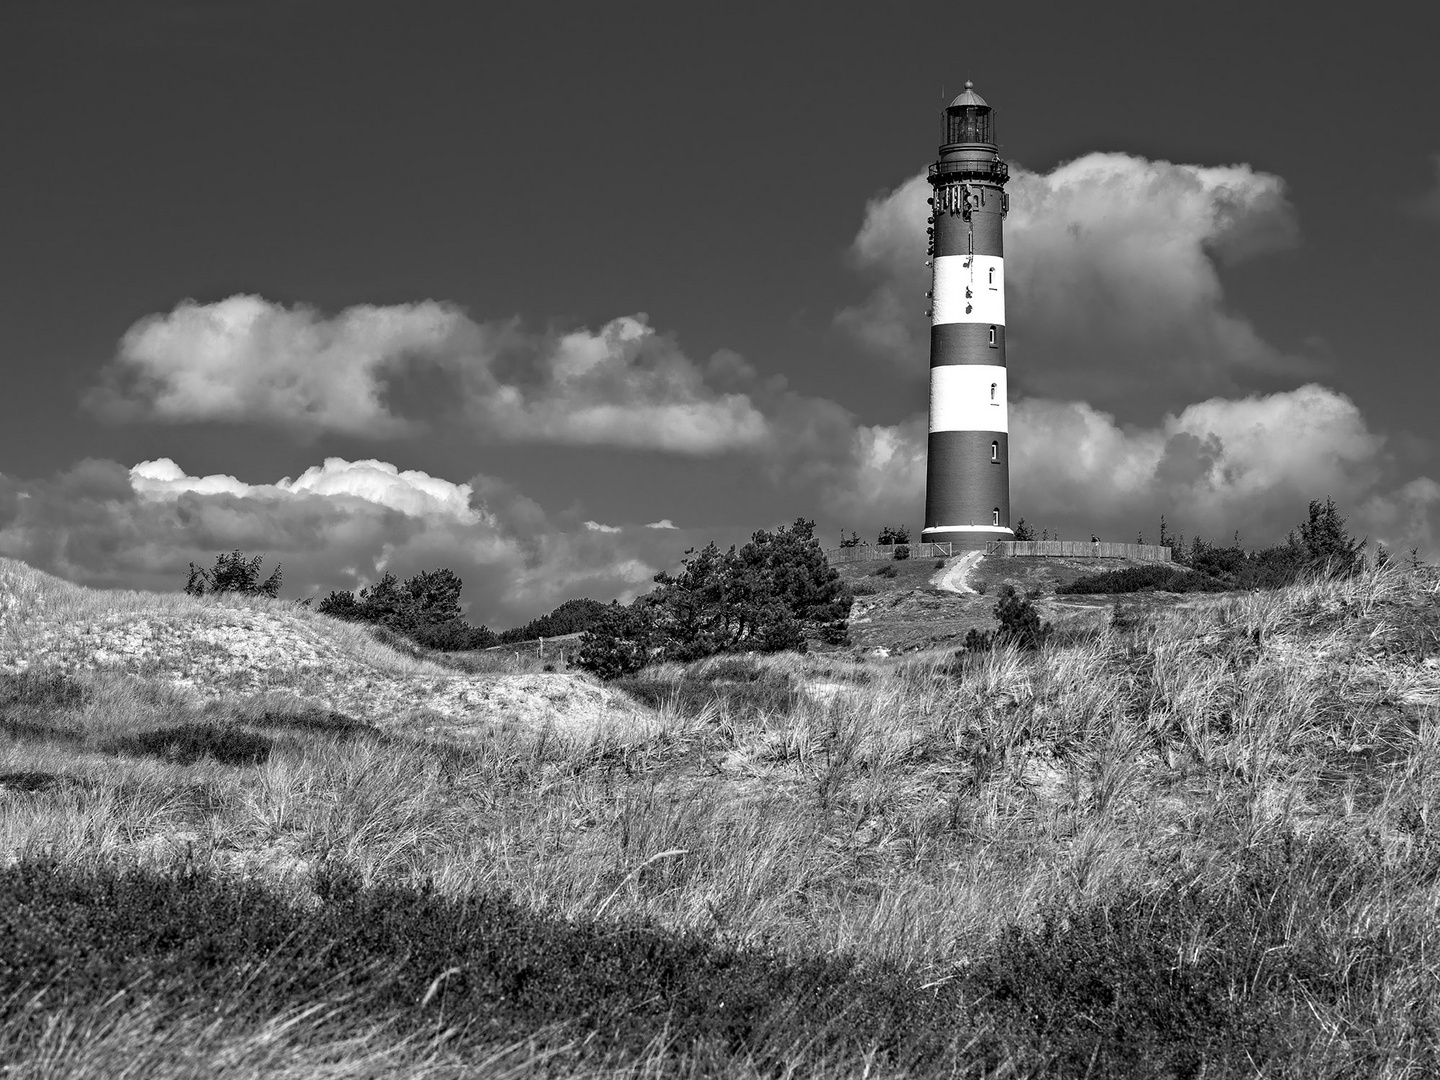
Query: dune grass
(1199, 838)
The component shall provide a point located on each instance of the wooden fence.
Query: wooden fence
(866, 552)
(1078, 549)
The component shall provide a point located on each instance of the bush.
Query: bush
(1139, 578)
(772, 594)
(1319, 546)
(886, 571)
(619, 643)
(902, 552)
(1019, 625)
(233, 573)
(424, 609)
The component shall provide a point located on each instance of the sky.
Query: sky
(547, 293)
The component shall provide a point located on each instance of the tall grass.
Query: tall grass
(1216, 821)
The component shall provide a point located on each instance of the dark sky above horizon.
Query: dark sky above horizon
(545, 173)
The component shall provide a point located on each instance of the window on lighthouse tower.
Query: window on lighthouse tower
(992, 393)
(994, 451)
(995, 516)
(992, 337)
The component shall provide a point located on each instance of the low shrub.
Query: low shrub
(189, 743)
(39, 690)
(886, 571)
(29, 781)
(1019, 625)
(485, 966)
(1121, 989)
(306, 718)
(736, 685)
(1141, 578)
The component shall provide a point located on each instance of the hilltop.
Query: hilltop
(1198, 838)
(912, 611)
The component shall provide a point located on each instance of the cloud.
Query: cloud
(338, 525)
(1217, 465)
(388, 371)
(1250, 463)
(1407, 518)
(663, 523)
(1112, 269)
(245, 358)
(1427, 206)
(595, 526)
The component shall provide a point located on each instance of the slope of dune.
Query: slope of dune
(231, 648)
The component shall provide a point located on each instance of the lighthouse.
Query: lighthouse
(967, 474)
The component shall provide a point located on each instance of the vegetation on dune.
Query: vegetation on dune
(424, 608)
(767, 596)
(233, 573)
(571, 617)
(1195, 843)
(1019, 626)
(1319, 546)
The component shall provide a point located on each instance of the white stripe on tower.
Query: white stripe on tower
(968, 397)
(969, 289)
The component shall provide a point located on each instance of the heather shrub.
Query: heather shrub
(189, 743)
(38, 690)
(735, 686)
(484, 965)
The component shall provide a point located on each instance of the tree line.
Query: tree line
(770, 594)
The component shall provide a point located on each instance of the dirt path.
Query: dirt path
(952, 578)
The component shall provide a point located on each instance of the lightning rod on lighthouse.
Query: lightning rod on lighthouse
(967, 475)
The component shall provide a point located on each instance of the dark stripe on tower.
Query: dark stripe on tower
(966, 343)
(962, 484)
(951, 230)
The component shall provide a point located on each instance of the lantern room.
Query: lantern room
(969, 121)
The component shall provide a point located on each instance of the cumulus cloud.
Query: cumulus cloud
(595, 526)
(1219, 464)
(1112, 271)
(337, 525)
(247, 359)
(1250, 463)
(663, 523)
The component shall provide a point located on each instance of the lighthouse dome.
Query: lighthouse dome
(968, 97)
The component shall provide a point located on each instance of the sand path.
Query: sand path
(952, 578)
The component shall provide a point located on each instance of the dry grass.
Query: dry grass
(908, 812)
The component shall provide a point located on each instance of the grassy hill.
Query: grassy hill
(1197, 840)
(907, 612)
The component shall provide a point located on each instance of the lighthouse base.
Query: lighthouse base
(966, 537)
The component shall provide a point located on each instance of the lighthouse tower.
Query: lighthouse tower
(967, 476)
